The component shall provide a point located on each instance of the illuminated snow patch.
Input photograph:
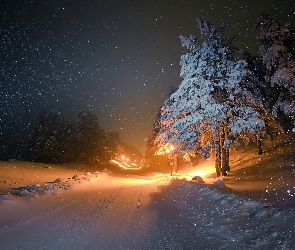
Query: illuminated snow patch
(125, 165)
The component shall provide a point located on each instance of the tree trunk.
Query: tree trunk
(218, 162)
(259, 144)
(223, 150)
(175, 163)
(223, 162)
(227, 166)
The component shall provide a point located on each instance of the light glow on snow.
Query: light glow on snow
(125, 165)
(202, 171)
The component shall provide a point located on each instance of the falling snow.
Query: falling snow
(68, 57)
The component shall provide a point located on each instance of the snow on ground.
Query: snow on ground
(270, 176)
(105, 207)
(16, 175)
(220, 220)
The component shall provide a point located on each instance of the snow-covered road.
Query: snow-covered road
(88, 216)
(108, 212)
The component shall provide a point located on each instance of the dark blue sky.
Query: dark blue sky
(114, 58)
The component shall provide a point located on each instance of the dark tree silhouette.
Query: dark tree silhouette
(51, 140)
(89, 138)
(277, 54)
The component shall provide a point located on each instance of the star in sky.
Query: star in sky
(116, 59)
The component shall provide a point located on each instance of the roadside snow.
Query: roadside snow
(236, 220)
(89, 211)
(78, 207)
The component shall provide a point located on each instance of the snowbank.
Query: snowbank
(241, 223)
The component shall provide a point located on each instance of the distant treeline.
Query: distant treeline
(57, 140)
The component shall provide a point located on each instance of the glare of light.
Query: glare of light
(128, 181)
(165, 149)
(198, 173)
(202, 171)
(125, 165)
(135, 181)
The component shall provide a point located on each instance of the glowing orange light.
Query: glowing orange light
(165, 149)
(125, 165)
(203, 170)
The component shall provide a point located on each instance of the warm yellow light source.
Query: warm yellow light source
(165, 149)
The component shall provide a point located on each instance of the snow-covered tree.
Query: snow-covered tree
(152, 145)
(266, 96)
(278, 56)
(211, 108)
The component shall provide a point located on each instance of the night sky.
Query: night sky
(116, 59)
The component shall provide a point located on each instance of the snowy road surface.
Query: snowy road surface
(108, 212)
